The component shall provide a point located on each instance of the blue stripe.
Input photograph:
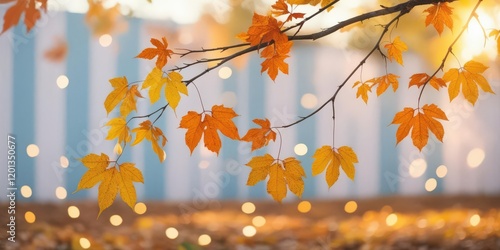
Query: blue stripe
(229, 149)
(389, 175)
(305, 70)
(78, 143)
(24, 104)
(256, 109)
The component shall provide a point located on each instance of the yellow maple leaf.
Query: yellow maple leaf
(174, 87)
(396, 49)
(383, 83)
(122, 93)
(112, 180)
(332, 159)
(439, 15)
(154, 135)
(282, 174)
(119, 129)
(420, 124)
(467, 79)
(362, 90)
(421, 78)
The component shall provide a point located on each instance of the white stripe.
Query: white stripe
(102, 68)
(50, 111)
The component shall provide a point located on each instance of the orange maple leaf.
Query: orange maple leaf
(383, 83)
(260, 137)
(282, 174)
(122, 93)
(198, 124)
(161, 51)
(31, 13)
(152, 134)
(281, 8)
(264, 29)
(421, 78)
(396, 49)
(117, 179)
(275, 59)
(420, 124)
(439, 15)
(467, 79)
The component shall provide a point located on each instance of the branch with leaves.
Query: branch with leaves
(272, 36)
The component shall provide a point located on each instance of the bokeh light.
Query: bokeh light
(417, 168)
(85, 243)
(26, 191)
(105, 40)
(430, 184)
(259, 221)
(30, 217)
(249, 231)
(61, 193)
(172, 233)
(225, 72)
(474, 220)
(300, 149)
(115, 220)
(309, 101)
(248, 207)
(475, 157)
(391, 219)
(32, 150)
(204, 240)
(140, 208)
(73, 212)
(441, 171)
(304, 206)
(63, 160)
(62, 81)
(351, 207)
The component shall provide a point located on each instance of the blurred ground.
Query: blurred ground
(432, 222)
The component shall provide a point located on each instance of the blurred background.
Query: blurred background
(55, 80)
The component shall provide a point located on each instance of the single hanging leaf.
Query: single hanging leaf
(327, 158)
(363, 90)
(155, 135)
(161, 51)
(174, 87)
(396, 49)
(467, 79)
(384, 82)
(439, 15)
(282, 174)
(112, 181)
(208, 126)
(420, 79)
(420, 124)
(260, 137)
(119, 129)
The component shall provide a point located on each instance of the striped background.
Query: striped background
(69, 122)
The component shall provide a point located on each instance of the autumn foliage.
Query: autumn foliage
(272, 36)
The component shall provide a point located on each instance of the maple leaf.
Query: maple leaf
(174, 87)
(260, 137)
(103, 20)
(439, 15)
(332, 159)
(467, 79)
(275, 59)
(281, 8)
(282, 174)
(384, 82)
(119, 129)
(161, 51)
(152, 134)
(420, 124)
(31, 14)
(396, 49)
(113, 181)
(198, 124)
(362, 90)
(154, 81)
(421, 78)
(122, 93)
(264, 29)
